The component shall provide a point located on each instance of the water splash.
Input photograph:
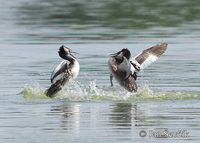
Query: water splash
(75, 91)
(33, 92)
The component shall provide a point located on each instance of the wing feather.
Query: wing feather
(58, 72)
(148, 56)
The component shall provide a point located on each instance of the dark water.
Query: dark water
(88, 110)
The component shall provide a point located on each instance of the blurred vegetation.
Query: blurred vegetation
(116, 14)
(102, 19)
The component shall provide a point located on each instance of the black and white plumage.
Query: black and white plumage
(125, 69)
(120, 67)
(68, 68)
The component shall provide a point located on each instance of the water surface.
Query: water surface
(88, 110)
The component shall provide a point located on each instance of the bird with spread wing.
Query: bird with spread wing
(125, 69)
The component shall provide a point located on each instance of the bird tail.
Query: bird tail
(129, 84)
(53, 89)
(56, 87)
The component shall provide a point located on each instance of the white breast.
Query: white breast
(75, 70)
(125, 66)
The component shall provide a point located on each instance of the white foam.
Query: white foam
(75, 91)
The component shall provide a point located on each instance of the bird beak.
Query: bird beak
(74, 52)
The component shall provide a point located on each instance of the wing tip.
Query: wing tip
(150, 55)
(163, 45)
(159, 49)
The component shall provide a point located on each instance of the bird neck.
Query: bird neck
(119, 59)
(70, 58)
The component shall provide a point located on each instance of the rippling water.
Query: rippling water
(88, 110)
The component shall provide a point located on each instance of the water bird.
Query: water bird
(67, 69)
(125, 69)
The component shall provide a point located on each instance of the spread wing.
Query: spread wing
(59, 71)
(148, 56)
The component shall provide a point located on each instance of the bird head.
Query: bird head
(65, 51)
(123, 53)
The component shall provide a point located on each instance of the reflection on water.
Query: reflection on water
(123, 115)
(70, 116)
(116, 121)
